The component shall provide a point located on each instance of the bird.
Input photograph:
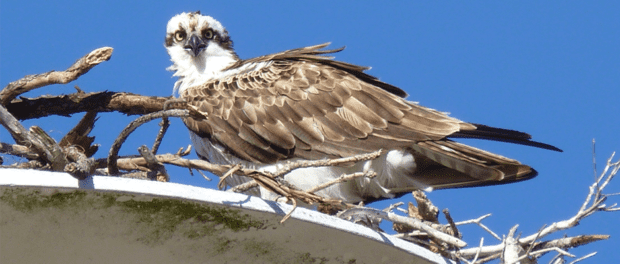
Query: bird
(302, 104)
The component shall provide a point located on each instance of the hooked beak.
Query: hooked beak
(195, 44)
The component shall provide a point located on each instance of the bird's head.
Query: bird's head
(199, 48)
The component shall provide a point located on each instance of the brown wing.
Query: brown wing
(309, 106)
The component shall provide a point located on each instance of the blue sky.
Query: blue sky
(551, 69)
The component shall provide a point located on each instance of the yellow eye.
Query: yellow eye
(179, 35)
(208, 34)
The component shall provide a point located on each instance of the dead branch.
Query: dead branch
(569, 242)
(244, 187)
(582, 258)
(153, 164)
(315, 163)
(426, 209)
(412, 222)
(66, 105)
(326, 162)
(594, 202)
(82, 166)
(113, 154)
(78, 136)
(446, 212)
(40, 143)
(30, 82)
(18, 150)
(342, 178)
(164, 125)
(478, 221)
(31, 164)
(222, 184)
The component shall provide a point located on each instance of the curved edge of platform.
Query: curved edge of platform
(35, 178)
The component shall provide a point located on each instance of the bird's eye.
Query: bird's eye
(208, 34)
(179, 35)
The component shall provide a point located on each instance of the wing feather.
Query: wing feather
(365, 113)
(303, 103)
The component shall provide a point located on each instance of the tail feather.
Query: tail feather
(504, 135)
(448, 164)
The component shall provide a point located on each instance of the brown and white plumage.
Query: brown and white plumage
(301, 104)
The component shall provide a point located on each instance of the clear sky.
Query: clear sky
(551, 69)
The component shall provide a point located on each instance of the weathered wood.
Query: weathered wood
(66, 105)
(30, 82)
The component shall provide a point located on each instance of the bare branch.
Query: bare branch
(593, 203)
(31, 164)
(342, 178)
(113, 155)
(413, 222)
(582, 258)
(82, 166)
(244, 186)
(30, 82)
(18, 150)
(426, 209)
(160, 171)
(570, 242)
(326, 162)
(66, 105)
(164, 124)
(40, 143)
(221, 184)
(446, 212)
(478, 221)
(79, 135)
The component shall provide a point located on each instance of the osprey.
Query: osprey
(301, 104)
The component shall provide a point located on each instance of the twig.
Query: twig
(593, 203)
(305, 164)
(30, 82)
(393, 206)
(582, 258)
(113, 154)
(413, 222)
(446, 212)
(479, 223)
(325, 162)
(221, 183)
(244, 186)
(342, 178)
(153, 164)
(18, 150)
(539, 252)
(529, 249)
(289, 213)
(511, 247)
(203, 175)
(594, 157)
(131, 162)
(586, 208)
(164, 124)
(477, 253)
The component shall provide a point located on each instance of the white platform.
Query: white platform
(48, 217)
